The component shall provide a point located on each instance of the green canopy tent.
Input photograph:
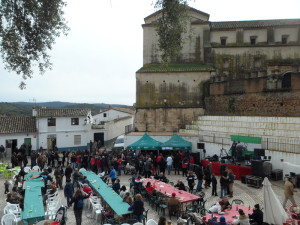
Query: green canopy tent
(145, 143)
(176, 143)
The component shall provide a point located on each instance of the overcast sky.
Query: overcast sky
(97, 61)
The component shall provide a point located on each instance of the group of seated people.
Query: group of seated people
(242, 218)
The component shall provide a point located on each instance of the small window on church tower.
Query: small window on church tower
(223, 41)
(284, 39)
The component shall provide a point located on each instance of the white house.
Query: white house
(65, 128)
(17, 130)
(112, 122)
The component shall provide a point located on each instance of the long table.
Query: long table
(166, 189)
(33, 202)
(109, 196)
(229, 213)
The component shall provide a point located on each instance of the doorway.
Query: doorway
(10, 146)
(97, 137)
(27, 141)
(51, 142)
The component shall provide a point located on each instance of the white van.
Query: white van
(119, 143)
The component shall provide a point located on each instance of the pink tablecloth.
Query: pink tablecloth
(230, 213)
(166, 189)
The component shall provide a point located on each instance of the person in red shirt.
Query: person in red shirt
(119, 166)
(87, 189)
(150, 187)
(93, 164)
(181, 155)
(78, 160)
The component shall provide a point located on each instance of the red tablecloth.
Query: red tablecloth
(237, 170)
(229, 213)
(166, 189)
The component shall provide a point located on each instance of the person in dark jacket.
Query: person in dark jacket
(68, 172)
(257, 216)
(224, 181)
(180, 185)
(69, 191)
(138, 208)
(177, 164)
(162, 165)
(33, 159)
(116, 186)
(191, 181)
(214, 185)
(78, 205)
(199, 174)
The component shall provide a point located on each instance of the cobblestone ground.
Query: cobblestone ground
(249, 195)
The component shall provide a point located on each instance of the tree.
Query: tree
(170, 27)
(28, 29)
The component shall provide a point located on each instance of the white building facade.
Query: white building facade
(15, 131)
(64, 128)
(111, 123)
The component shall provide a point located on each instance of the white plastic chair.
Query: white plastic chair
(151, 222)
(8, 219)
(138, 223)
(36, 168)
(82, 170)
(17, 215)
(27, 169)
(52, 210)
(12, 207)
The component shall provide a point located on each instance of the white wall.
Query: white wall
(64, 132)
(20, 140)
(110, 115)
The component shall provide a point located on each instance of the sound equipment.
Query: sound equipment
(267, 169)
(257, 168)
(254, 181)
(244, 178)
(200, 145)
(226, 157)
(247, 157)
(277, 175)
(259, 152)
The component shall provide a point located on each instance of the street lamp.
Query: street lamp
(165, 100)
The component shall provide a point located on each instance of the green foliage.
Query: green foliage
(28, 29)
(231, 106)
(170, 27)
(9, 109)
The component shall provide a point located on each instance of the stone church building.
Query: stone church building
(239, 68)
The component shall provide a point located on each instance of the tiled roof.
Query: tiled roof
(44, 112)
(17, 124)
(253, 23)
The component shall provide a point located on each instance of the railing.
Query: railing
(288, 145)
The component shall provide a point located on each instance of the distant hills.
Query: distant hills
(25, 108)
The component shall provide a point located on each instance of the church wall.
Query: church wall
(180, 89)
(165, 119)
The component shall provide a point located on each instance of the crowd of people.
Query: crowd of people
(56, 165)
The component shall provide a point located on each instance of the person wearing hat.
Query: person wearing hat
(257, 216)
(242, 219)
(222, 221)
(173, 204)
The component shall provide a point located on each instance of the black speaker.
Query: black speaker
(200, 146)
(257, 168)
(247, 157)
(259, 152)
